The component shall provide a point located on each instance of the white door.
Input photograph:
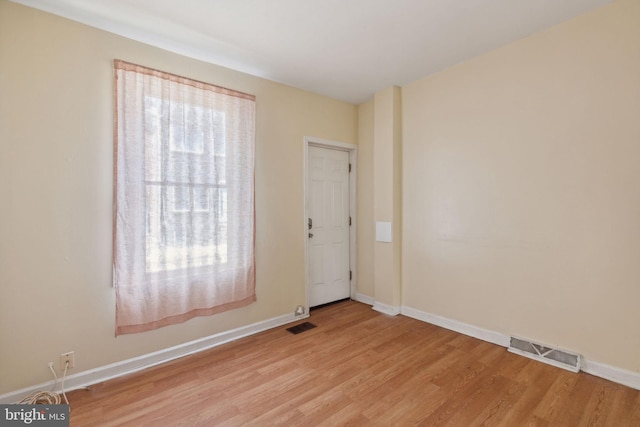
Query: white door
(328, 225)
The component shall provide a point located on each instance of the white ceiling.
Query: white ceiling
(345, 49)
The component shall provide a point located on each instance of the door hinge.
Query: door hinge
(349, 221)
(349, 167)
(350, 275)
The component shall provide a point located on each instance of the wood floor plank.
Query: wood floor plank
(357, 367)
(626, 399)
(496, 411)
(599, 405)
(556, 399)
(579, 397)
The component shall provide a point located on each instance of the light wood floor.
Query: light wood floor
(358, 367)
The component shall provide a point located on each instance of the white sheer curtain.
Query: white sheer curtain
(184, 227)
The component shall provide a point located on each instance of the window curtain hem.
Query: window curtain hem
(181, 318)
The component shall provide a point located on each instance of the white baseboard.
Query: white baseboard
(611, 373)
(454, 325)
(391, 310)
(365, 299)
(114, 370)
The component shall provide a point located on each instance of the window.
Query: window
(184, 213)
(178, 197)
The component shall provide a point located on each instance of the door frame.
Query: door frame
(352, 150)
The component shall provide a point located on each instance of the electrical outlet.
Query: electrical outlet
(67, 357)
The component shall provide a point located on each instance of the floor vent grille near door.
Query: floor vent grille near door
(301, 328)
(543, 353)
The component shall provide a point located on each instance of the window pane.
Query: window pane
(180, 199)
(200, 199)
(153, 138)
(153, 239)
(186, 132)
(220, 201)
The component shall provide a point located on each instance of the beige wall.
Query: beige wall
(366, 222)
(387, 183)
(522, 188)
(56, 194)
